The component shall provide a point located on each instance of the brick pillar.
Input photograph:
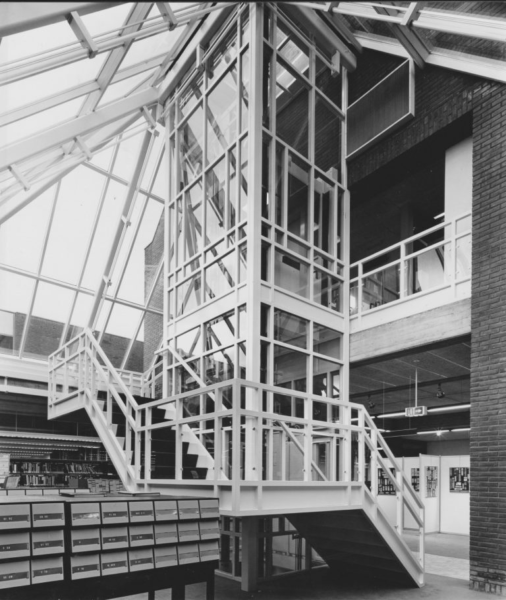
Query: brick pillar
(488, 355)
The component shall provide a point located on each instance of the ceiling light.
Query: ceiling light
(440, 394)
(461, 429)
(448, 408)
(397, 414)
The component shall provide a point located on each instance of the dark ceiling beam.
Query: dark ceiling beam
(407, 387)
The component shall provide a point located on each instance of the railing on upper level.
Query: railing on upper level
(435, 259)
(258, 435)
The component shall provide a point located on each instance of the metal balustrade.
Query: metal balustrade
(436, 259)
(258, 437)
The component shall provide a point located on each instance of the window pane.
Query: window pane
(220, 331)
(290, 368)
(298, 197)
(215, 210)
(191, 138)
(243, 183)
(292, 109)
(219, 366)
(327, 290)
(189, 295)
(220, 277)
(324, 214)
(189, 345)
(244, 89)
(291, 274)
(194, 221)
(222, 116)
(327, 136)
(326, 341)
(290, 329)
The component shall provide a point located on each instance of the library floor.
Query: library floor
(447, 578)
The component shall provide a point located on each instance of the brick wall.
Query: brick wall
(446, 101)
(488, 322)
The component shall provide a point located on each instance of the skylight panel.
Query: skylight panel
(105, 20)
(127, 158)
(39, 122)
(131, 289)
(36, 41)
(149, 47)
(22, 235)
(102, 242)
(126, 87)
(77, 204)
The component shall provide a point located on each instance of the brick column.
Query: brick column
(488, 355)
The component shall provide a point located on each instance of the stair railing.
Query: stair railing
(263, 434)
(81, 369)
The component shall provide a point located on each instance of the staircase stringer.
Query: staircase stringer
(391, 536)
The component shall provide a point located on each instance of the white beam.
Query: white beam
(168, 14)
(82, 34)
(116, 57)
(100, 293)
(60, 134)
(23, 16)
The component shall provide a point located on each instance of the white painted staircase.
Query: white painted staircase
(239, 451)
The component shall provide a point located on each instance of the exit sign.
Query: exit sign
(416, 411)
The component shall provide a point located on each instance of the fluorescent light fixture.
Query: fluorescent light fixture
(461, 429)
(397, 414)
(449, 408)
(437, 432)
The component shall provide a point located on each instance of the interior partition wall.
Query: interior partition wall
(256, 248)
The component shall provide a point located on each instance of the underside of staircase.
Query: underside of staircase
(350, 543)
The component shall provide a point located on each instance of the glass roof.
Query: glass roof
(83, 173)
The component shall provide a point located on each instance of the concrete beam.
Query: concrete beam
(445, 322)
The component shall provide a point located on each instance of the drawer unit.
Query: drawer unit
(140, 560)
(188, 531)
(209, 508)
(14, 516)
(166, 533)
(114, 562)
(84, 540)
(85, 513)
(141, 512)
(14, 574)
(209, 550)
(165, 556)
(114, 537)
(14, 545)
(84, 566)
(114, 512)
(141, 535)
(166, 510)
(50, 514)
(188, 553)
(209, 530)
(188, 509)
(48, 541)
(47, 569)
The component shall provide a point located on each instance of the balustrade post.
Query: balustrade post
(137, 448)
(128, 432)
(402, 275)
(178, 430)
(361, 476)
(236, 445)
(218, 427)
(147, 441)
(374, 463)
(359, 289)
(308, 440)
(400, 501)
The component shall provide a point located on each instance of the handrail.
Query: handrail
(415, 237)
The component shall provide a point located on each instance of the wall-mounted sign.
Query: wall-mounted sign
(415, 479)
(459, 479)
(385, 485)
(431, 482)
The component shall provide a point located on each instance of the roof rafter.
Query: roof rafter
(16, 17)
(60, 134)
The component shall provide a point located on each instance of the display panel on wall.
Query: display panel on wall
(459, 479)
(431, 479)
(385, 485)
(415, 479)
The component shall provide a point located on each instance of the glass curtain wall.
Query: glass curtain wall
(207, 214)
(302, 219)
